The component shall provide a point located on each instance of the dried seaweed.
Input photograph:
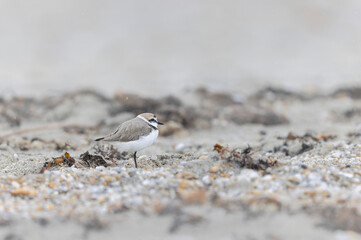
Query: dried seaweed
(86, 160)
(110, 153)
(90, 161)
(245, 158)
(64, 160)
(309, 136)
(295, 144)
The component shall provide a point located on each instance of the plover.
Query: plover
(135, 134)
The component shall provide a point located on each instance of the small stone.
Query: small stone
(214, 169)
(37, 144)
(51, 206)
(52, 184)
(108, 179)
(206, 179)
(100, 168)
(204, 157)
(179, 147)
(102, 199)
(15, 184)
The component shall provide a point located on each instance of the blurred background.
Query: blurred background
(164, 47)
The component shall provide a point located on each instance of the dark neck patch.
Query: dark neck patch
(150, 125)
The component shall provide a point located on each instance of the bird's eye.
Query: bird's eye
(152, 120)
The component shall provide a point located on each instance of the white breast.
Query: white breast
(137, 145)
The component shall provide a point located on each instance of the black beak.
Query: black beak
(160, 123)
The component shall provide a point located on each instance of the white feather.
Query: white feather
(137, 145)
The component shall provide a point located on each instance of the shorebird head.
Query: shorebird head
(150, 118)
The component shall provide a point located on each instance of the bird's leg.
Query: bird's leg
(135, 159)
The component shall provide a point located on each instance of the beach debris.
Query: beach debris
(88, 160)
(298, 144)
(309, 136)
(221, 149)
(110, 153)
(245, 158)
(63, 160)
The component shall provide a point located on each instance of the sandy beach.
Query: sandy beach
(261, 105)
(276, 165)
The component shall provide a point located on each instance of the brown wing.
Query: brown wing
(129, 131)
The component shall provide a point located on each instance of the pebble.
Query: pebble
(187, 180)
(204, 157)
(214, 169)
(179, 147)
(100, 168)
